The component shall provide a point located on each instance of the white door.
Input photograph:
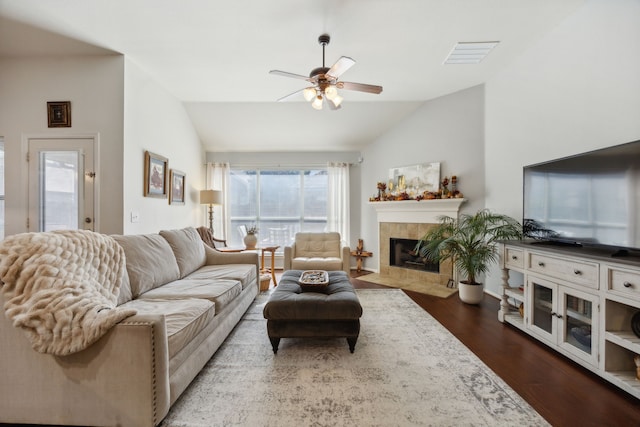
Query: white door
(61, 184)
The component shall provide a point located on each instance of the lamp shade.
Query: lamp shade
(210, 197)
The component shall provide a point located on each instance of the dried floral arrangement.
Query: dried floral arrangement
(448, 190)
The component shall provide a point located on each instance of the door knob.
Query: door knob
(87, 220)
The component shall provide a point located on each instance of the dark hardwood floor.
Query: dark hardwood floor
(563, 392)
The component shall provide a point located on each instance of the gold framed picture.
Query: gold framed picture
(59, 114)
(156, 169)
(176, 189)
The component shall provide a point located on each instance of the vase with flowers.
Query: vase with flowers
(251, 240)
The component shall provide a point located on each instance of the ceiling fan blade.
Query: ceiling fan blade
(361, 87)
(287, 74)
(291, 95)
(341, 65)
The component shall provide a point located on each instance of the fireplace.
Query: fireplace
(402, 254)
(410, 220)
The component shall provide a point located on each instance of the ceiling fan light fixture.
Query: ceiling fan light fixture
(337, 100)
(317, 103)
(309, 93)
(331, 92)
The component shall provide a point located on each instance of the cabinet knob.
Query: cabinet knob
(514, 257)
(540, 264)
(627, 285)
(577, 272)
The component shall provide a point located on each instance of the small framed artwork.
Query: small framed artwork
(176, 191)
(59, 114)
(156, 169)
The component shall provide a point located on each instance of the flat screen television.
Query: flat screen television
(587, 199)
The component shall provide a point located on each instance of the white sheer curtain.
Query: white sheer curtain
(218, 179)
(338, 200)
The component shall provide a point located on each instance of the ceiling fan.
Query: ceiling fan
(325, 82)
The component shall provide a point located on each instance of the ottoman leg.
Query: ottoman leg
(352, 343)
(275, 342)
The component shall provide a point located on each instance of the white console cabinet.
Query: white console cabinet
(579, 301)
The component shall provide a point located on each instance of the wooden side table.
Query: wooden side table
(271, 249)
(359, 255)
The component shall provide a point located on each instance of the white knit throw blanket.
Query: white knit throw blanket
(61, 287)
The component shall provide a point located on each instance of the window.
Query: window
(279, 202)
(1, 189)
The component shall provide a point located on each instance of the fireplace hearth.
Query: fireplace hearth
(402, 254)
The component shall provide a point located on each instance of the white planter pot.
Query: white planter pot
(470, 294)
(250, 241)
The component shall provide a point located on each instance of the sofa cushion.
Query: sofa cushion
(219, 291)
(245, 273)
(184, 318)
(316, 263)
(187, 247)
(150, 261)
(320, 245)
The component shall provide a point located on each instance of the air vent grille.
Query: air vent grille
(469, 52)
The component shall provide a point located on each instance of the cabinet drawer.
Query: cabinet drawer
(623, 281)
(578, 272)
(514, 258)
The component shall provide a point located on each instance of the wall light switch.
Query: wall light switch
(135, 216)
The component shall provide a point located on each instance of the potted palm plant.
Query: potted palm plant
(470, 243)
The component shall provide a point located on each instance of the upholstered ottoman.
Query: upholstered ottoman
(333, 311)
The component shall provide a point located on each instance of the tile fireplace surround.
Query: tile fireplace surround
(411, 219)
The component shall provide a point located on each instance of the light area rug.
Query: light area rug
(407, 370)
(410, 285)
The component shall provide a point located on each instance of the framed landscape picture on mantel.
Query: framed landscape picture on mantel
(156, 169)
(415, 179)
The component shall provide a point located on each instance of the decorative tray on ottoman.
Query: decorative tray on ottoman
(313, 279)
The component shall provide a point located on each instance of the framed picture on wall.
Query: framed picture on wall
(176, 190)
(59, 114)
(156, 170)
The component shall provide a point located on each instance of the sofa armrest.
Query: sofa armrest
(215, 257)
(346, 259)
(121, 379)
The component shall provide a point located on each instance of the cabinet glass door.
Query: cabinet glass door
(579, 320)
(542, 310)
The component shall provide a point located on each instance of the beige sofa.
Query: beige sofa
(317, 251)
(188, 298)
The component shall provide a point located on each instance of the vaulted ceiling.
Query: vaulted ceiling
(215, 56)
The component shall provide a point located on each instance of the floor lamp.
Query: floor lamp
(210, 197)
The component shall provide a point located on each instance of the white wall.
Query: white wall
(94, 85)
(156, 121)
(449, 130)
(576, 90)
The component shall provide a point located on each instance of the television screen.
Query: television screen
(587, 199)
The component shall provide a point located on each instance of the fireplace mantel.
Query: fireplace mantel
(412, 211)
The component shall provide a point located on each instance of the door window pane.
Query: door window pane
(59, 196)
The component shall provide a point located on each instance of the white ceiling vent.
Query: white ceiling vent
(469, 52)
